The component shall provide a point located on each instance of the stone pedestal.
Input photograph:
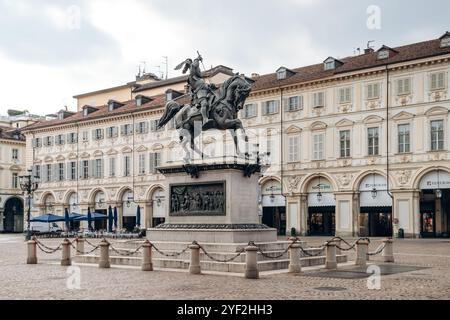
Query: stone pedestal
(231, 218)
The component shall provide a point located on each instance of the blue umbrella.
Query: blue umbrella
(73, 216)
(67, 218)
(94, 216)
(138, 216)
(48, 218)
(110, 219)
(115, 217)
(89, 219)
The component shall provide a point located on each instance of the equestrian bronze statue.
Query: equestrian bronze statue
(210, 107)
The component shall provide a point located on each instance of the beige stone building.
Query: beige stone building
(356, 146)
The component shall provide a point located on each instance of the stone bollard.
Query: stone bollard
(388, 251)
(65, 259)
(362, 248)
(32, 252)
(295, 265)
(194, 266)
(331, 262)
(80, 246)
(147, 264)
(251, 262)
(338, 243)
(104, 255)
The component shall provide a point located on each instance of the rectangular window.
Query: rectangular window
(154, 126)
(142, 164)
(37, 171)
(85, 164)
(294, 148)
(373, 91)
(172, 123)
(72, 138)
(271, 107)
(437, 81)
(15, 181)
(250, 111)
(97, 134)
(319, 146)
(126, 166)
(344, 137)
(85, 136)
(48, 141)
(98, 168)
(373, 141)
(294, 103)
(318, 99)
(126, 130)
(155, 162)
(73, 170)
(142, 128)
(15, 154)
(269, 150)
(404, 138)
(37, 143)
(345, 95)
(61, 172)
(112, 132)
(59, 140)
(112, 167)
(404, 86)
(437, 135)
(48, 173)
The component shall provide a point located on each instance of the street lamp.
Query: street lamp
(438, 191)
(319, 194)
(29, 185)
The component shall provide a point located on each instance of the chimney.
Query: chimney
(369, 50)
(255, 75)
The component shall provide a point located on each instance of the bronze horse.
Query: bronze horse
(224, 107)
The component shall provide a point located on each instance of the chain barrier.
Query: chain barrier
(85, 252)
(378, 250)
(89, 243)
(321, 250)
(127, 254)
(45, 248)
(240, 252)
(170, 255)
(267, 256)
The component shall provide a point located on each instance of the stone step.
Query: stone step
(235, 267)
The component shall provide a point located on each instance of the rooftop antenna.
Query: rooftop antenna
(357, 49)
(166, 63)
(368, 44)
(145, 64)
(161, 74)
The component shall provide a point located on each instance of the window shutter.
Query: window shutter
(152, 163)
(153, 125)
(286, 105)
(52, 139)
(146, 126)
(122, 130)
(277, 106)
(441, 80)
(34, 143)
(407, 85)
(433, 81)
(264, 108)
(102, 168)
(55, 172)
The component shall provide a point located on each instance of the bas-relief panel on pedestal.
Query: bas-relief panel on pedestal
(198, 199)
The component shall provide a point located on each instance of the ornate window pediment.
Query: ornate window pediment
(345, 123)
(98, 153)
(72, 156)
(111, 152)
(319, 125)
(48, 159)
(436, 111)
(403, 116)
(293, 129)
(60, 158)
(85, 155)
(173, 144)
(157, 146)
(126, 150)
(207, 140)
(15, 168)
(142, 149)
(373, 119)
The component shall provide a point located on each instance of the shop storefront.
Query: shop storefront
(435, 204)
(129, 210)
(100, 207)
(274, 206)
(159, 207)
(321, 208)
(375, 214)
(74, 207)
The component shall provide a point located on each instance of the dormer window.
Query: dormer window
(384, 54)
(88, 110)
(113, 105)
(168, 95)
(85, 112)
(172, 95)
(445, 40)
(284, 73)
(141, 100)
(331, 64)
(61, 116)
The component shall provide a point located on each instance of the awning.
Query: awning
(95, 216)
(48, 218)
(383, 199)
(327, 200)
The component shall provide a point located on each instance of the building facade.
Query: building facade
(356, 146)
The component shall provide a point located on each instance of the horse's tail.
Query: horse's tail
(172, 108)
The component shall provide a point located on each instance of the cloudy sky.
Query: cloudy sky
(51, 50)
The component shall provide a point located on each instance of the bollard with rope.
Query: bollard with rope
(194, 266)
(330, 260)
(65, 258)
(251, 261)
(32, 252)
(104, 262)
(147, 264)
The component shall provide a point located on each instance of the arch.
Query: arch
(13, 215)
(318, 125)
(373, 119)
(67, 196)
(94, 192)
(264, 180)
(422, 173)
(311, 177)
(435, 111)
(98, 153)
(150, 191)
(45, 195)
(121, 192)
(362, 175)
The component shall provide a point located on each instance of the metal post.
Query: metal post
(388, 251)
(104, 255)
(362, 247)
(147, 264)
(251, 262)
(65, 259)
(331, 262)
(295, 265)
(194, 266)
(32, 252)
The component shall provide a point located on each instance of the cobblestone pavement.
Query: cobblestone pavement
(49, 281)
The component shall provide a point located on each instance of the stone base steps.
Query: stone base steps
(234, 267)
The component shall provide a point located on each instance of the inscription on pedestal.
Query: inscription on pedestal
(198, 199)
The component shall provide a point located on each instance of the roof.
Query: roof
(406, 53)
(128, 107)
(124, 86)
(9, 133)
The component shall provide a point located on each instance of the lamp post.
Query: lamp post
(374, 189)
(29, 184)
(438, 190)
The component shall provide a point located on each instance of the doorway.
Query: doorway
(13, 221)
(375, 222)
(321, 221)
(275, 217)
(435, 214)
